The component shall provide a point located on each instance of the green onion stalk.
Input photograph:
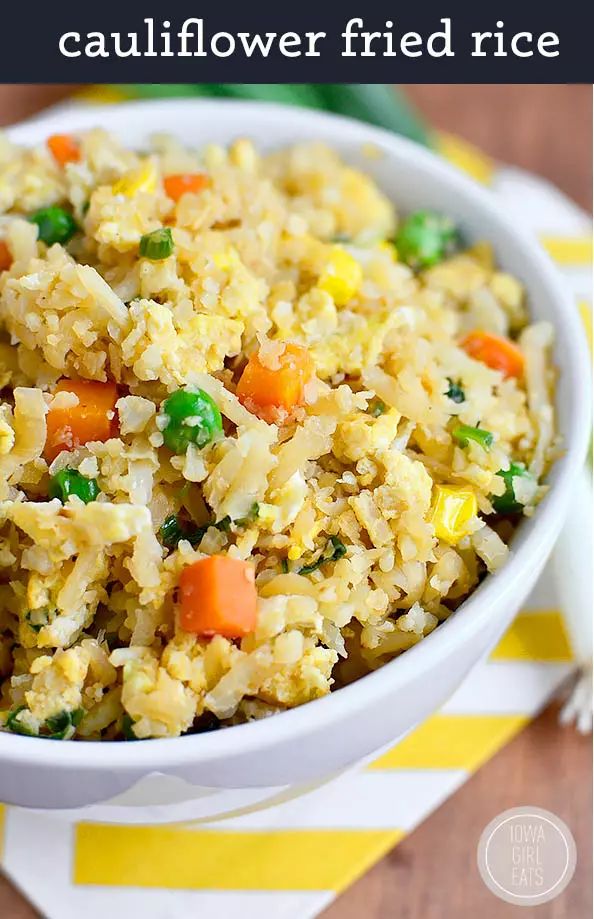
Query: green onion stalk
(375, 103)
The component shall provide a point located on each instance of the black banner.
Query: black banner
(393, 42)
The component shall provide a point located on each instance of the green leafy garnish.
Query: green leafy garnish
(464, 433)
(455, 392)
(334, 550)
(507, 502)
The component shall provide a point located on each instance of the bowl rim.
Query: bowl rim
(473, 615)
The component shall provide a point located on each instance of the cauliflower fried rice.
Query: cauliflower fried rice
(259, 433)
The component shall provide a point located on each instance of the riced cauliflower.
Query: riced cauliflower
(259, 432)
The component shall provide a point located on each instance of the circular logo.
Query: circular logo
(526, 856)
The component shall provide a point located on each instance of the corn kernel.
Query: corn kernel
(226, 258)
(509, 291)
(243, 155)
(294, 553)
(483, 253)
(453, 509)
(267, 513)
(342, 276)
(143, 179)
(6, 437)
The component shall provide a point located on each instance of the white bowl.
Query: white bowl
(234, 768)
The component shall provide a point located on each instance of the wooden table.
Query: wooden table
(432, 874)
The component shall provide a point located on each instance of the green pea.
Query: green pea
(54, 225)
(507, 503)
(425, 238)
(192, 418)
(68, 482)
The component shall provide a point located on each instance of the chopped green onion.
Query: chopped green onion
(54, 225)
(455, 392)
(57, 727)
(157, 245)
(68, 482)
(285, 566)
(250, 517)
(464, 433)
(192, 418)
(204, 723)
(13, 724)
(127, 728)
(376, 408)
(173, 530)
(37, 619)
(338, 547)
(63, 725)
(507, 502)
(170, 531)
(334, 550)
(425, 239)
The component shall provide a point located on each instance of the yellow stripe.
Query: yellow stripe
(101, 94)
(452, 742)
(536, 635)
(140, 856)
(466, 157)
(2, 826)
(569, 250)
(585, 309)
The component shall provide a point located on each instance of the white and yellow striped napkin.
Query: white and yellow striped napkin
(291, 860)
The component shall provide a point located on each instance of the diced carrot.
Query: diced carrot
(5, 256)
(178, 185)
(273, 389)
(94, 418)
(218, 597)
(495, 351)
(64, 148)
